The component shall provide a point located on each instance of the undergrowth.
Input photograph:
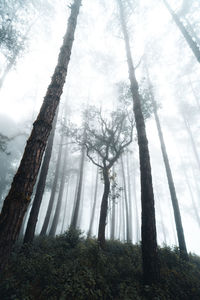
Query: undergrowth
(74, 268)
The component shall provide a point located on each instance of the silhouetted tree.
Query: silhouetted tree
(18, 199)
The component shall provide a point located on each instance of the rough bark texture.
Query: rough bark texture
(192, 44)
(177, 215)
(54, 224)
(53, 190)
(18, 198)
(32, 221)
(104, 209)
(149, 240)
(79, 191)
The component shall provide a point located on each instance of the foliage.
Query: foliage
(71, 267)
(125, 97)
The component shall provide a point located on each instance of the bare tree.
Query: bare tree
(106, 139)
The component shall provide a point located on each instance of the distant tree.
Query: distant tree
(149, 239)
(18, 199)
(106, 139)
(75, 215)
(191, 43)
(175, 204)
(16, 21)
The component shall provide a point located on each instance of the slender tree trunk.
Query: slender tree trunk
(33, 218)
(175, 204)
(65, 208)
(195, 209)
(129, 196)
(137, 226)
(128, 237)
(191, 43)
(79, 191)
(53, 190)
(188, 129)
(94, 203)
(113, 225)
(54, 224)
(151, 271)
(104, 209)
(195, 95)
(18, 199)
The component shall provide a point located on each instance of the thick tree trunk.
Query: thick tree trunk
(16, 203)
(65, 207)
(53, 190)
(175, 204)
(151, 271)
(54, 224)
(128, 236)
(33, 218)
(192, 44)
(104, 209)
(75, 216)
(94, 203)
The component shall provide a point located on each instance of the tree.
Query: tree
(175, 204)
(74, 220)
(18, 198)
(191, 43)
(106, 139)
(149, 239)
(32, 221)
(17, 19)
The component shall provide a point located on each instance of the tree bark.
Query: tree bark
(33, 218)
(18, 198)
(54, 224)
(104, 209)
(151, 271)
(53, 190)
(191, 43)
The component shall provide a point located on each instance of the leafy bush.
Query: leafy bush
(71, 267)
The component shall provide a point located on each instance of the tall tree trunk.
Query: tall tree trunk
(94, 202)
(54, 224)
(195, 95)
(151, 271)
(192, 44)
(18, 198)
(175, 204)
(104, 209)
(75, 216)
(137, 226)
(53, 190)
(33, 218)
(128, 237)
(113, 221)
(65, 208)
(194, 206)
(129, 196)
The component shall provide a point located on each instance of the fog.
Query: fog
(97, 66)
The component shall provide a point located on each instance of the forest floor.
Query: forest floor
(72, 267)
